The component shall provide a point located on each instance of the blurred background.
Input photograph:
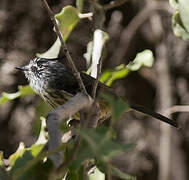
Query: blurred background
(161, 152)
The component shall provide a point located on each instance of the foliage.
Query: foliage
(98, 145)
(22, 91)
(180, 21)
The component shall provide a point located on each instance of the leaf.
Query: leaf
(23, 163)
(1, 158)
(97, 174)
(67, 19)
(118, 72)
(101, 145)
(19, 152)
(42, 138)
(184, 13)
(180, 21)
(99, 40)
(174, 3)
(26, 90)
(41, 111)
(144, 58)
(178, 28)
(23, 91)
(118, 106)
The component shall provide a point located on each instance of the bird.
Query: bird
(56, 84)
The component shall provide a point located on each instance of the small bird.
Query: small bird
(56, 84)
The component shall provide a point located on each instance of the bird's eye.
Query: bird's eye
(33, 68)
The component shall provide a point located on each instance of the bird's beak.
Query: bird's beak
(23, 68)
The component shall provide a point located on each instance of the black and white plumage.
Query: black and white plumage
(55, 83)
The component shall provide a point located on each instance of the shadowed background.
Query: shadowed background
(25, 29)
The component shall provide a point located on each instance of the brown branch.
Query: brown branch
(65, 49)
(114, 4)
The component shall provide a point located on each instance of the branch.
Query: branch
(63, 112)
(177, 108)
(65, 49)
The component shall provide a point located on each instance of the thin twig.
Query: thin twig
(65, 49)
(114, 4)
(177, 108)
(95, 85)
(85, 15)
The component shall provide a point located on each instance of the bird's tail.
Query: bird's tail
(153, 114)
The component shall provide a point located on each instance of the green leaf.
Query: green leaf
(1, 158)
(23, 91)
(67, 19)
(41, 111)
(97, 174)
(178, 27)
(118, 106)
(101, 144)
(180, 21)
(23, 154)
(144, 58)
(184, 13)
(174, 3)
(118, 72)
(23, 162)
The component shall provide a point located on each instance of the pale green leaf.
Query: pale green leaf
(97, 174)
(184, 13)
(174, 3)
(178, 28)
(19, 152)
(67, 19)
(144, 58)
(23, 91)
